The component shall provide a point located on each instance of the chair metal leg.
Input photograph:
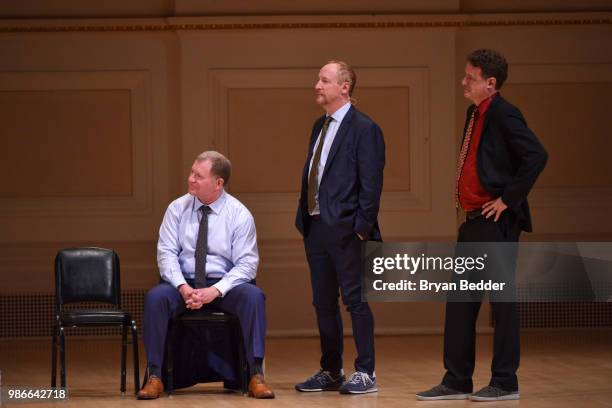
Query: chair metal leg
(54, 357)
(62, 358)
(136, 358)
(170, 359)
(123, 354)
(145, 378)
(243, 369)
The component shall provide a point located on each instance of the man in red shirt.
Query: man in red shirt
(499, 162)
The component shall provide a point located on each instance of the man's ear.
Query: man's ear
(220, 182)
(345, 88)
(491, 82)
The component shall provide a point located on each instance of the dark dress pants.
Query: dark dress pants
(163, 302)
(460, 323)
(334, 258)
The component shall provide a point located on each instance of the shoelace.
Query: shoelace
(441, 389)
(358, 377)
(321, 377)
(494, 390)
(447, 390)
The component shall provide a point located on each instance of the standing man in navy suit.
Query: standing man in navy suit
(338, 209)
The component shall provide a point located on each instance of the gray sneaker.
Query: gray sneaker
(321, 381)
(490, 393)
(442, 392)
(359, 383)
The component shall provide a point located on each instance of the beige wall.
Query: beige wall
(101, 120)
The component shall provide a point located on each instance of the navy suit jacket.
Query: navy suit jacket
(351, 184)
(509, 158)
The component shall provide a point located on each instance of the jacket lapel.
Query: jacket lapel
(467, 122)
(340, 136)
(313, 140)
(488, 115)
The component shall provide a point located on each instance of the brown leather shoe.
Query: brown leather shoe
(258, 388)
(152, 389)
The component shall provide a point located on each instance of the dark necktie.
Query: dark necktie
(201, 249)
(313, 185)
(465, 147)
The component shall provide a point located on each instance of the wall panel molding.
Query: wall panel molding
(416, 79)
(137, 83)
(576, 197)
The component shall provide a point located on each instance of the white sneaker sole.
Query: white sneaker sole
(444, 397)
(359, 392)
(315, 389)
(502, 398)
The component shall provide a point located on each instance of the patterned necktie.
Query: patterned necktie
(201, 249)
(465, 147)
(313, 185)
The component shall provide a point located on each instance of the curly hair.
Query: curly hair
(491, 63)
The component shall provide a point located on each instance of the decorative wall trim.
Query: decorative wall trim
(393, 22)
(31, 315)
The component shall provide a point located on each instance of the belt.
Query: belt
(315, 217)
(471, 215)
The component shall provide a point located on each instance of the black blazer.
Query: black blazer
(351, 185)
(510, 157)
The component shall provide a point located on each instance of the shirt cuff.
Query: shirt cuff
(223, 286)
(177, 279)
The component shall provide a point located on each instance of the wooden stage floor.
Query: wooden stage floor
(558, 369)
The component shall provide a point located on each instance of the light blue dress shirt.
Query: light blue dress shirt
(232, 242)
(327, 144)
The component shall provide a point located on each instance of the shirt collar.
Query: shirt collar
(341, 113)
(216, 206)
(484, 105)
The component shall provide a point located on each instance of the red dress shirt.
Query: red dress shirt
(472, 194)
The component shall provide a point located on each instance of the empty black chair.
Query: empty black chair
(89, 275)
(192, 337)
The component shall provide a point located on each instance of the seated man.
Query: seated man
(207, 254)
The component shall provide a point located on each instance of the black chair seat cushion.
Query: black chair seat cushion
(94, 317)
(202, 349)
(206, 316)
